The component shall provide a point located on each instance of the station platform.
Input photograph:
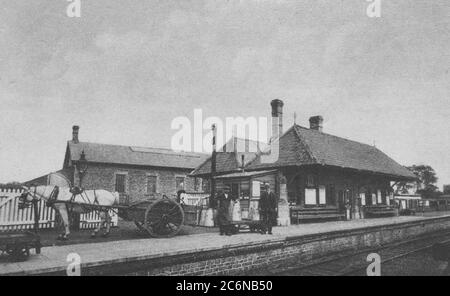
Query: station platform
(210, 253)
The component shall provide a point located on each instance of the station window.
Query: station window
(151, 184)
(120, 183)
(179, 183)
(362, 197)
(310, 196)
(197, 184)
(205, 185)
(322, 195)
(244, 190)
(310, 181)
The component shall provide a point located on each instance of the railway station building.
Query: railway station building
(317, 175)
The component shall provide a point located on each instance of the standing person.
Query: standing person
(267, 209)
(223, 217)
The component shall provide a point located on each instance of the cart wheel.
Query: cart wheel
(164, 218)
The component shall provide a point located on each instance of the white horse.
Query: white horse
(66, 201)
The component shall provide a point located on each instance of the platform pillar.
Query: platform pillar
(284, 218)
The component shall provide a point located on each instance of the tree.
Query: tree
(404, 187)
(427, 179)
(13, 184)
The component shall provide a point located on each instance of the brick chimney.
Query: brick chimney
(75, 130)
(316, 123)
(277, 118)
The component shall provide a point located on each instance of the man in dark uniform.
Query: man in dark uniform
(223, 217)
(267, 210)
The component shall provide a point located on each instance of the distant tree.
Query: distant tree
(14, 183)
(425, 184)
(404, 187)
(427, 179)
(11, 184)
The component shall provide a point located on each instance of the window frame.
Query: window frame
(311, 181)
(125, 185)
(147, 177)
(206, 185)
(184, 182)
(197, 184)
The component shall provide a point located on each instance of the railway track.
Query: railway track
(355, 263)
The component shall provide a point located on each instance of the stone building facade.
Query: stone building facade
(135, 172)
(139, 182)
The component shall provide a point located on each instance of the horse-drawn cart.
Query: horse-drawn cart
(158, 218)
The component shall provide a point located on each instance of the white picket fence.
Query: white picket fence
(11, 218)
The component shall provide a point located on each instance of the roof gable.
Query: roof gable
(293, 151)
(225, 162)
(302, 146)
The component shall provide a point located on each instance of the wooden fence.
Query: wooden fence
(11, 218)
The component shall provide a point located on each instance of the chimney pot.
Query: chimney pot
(316, 123)
(75, 130)
(277, 118)
(277, 107)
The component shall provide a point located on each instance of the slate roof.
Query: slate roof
(300, 146)
(225, 162)
(229, 161)
(129, 155)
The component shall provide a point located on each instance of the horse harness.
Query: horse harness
(76, 191)
(53, 197)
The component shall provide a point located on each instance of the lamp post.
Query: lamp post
(82, 166)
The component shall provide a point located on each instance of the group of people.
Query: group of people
(267, 210)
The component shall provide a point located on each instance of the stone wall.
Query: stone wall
(100, 176)
(276, 254)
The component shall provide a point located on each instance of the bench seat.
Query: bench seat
(317, 213)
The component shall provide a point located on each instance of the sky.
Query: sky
(125, 69)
